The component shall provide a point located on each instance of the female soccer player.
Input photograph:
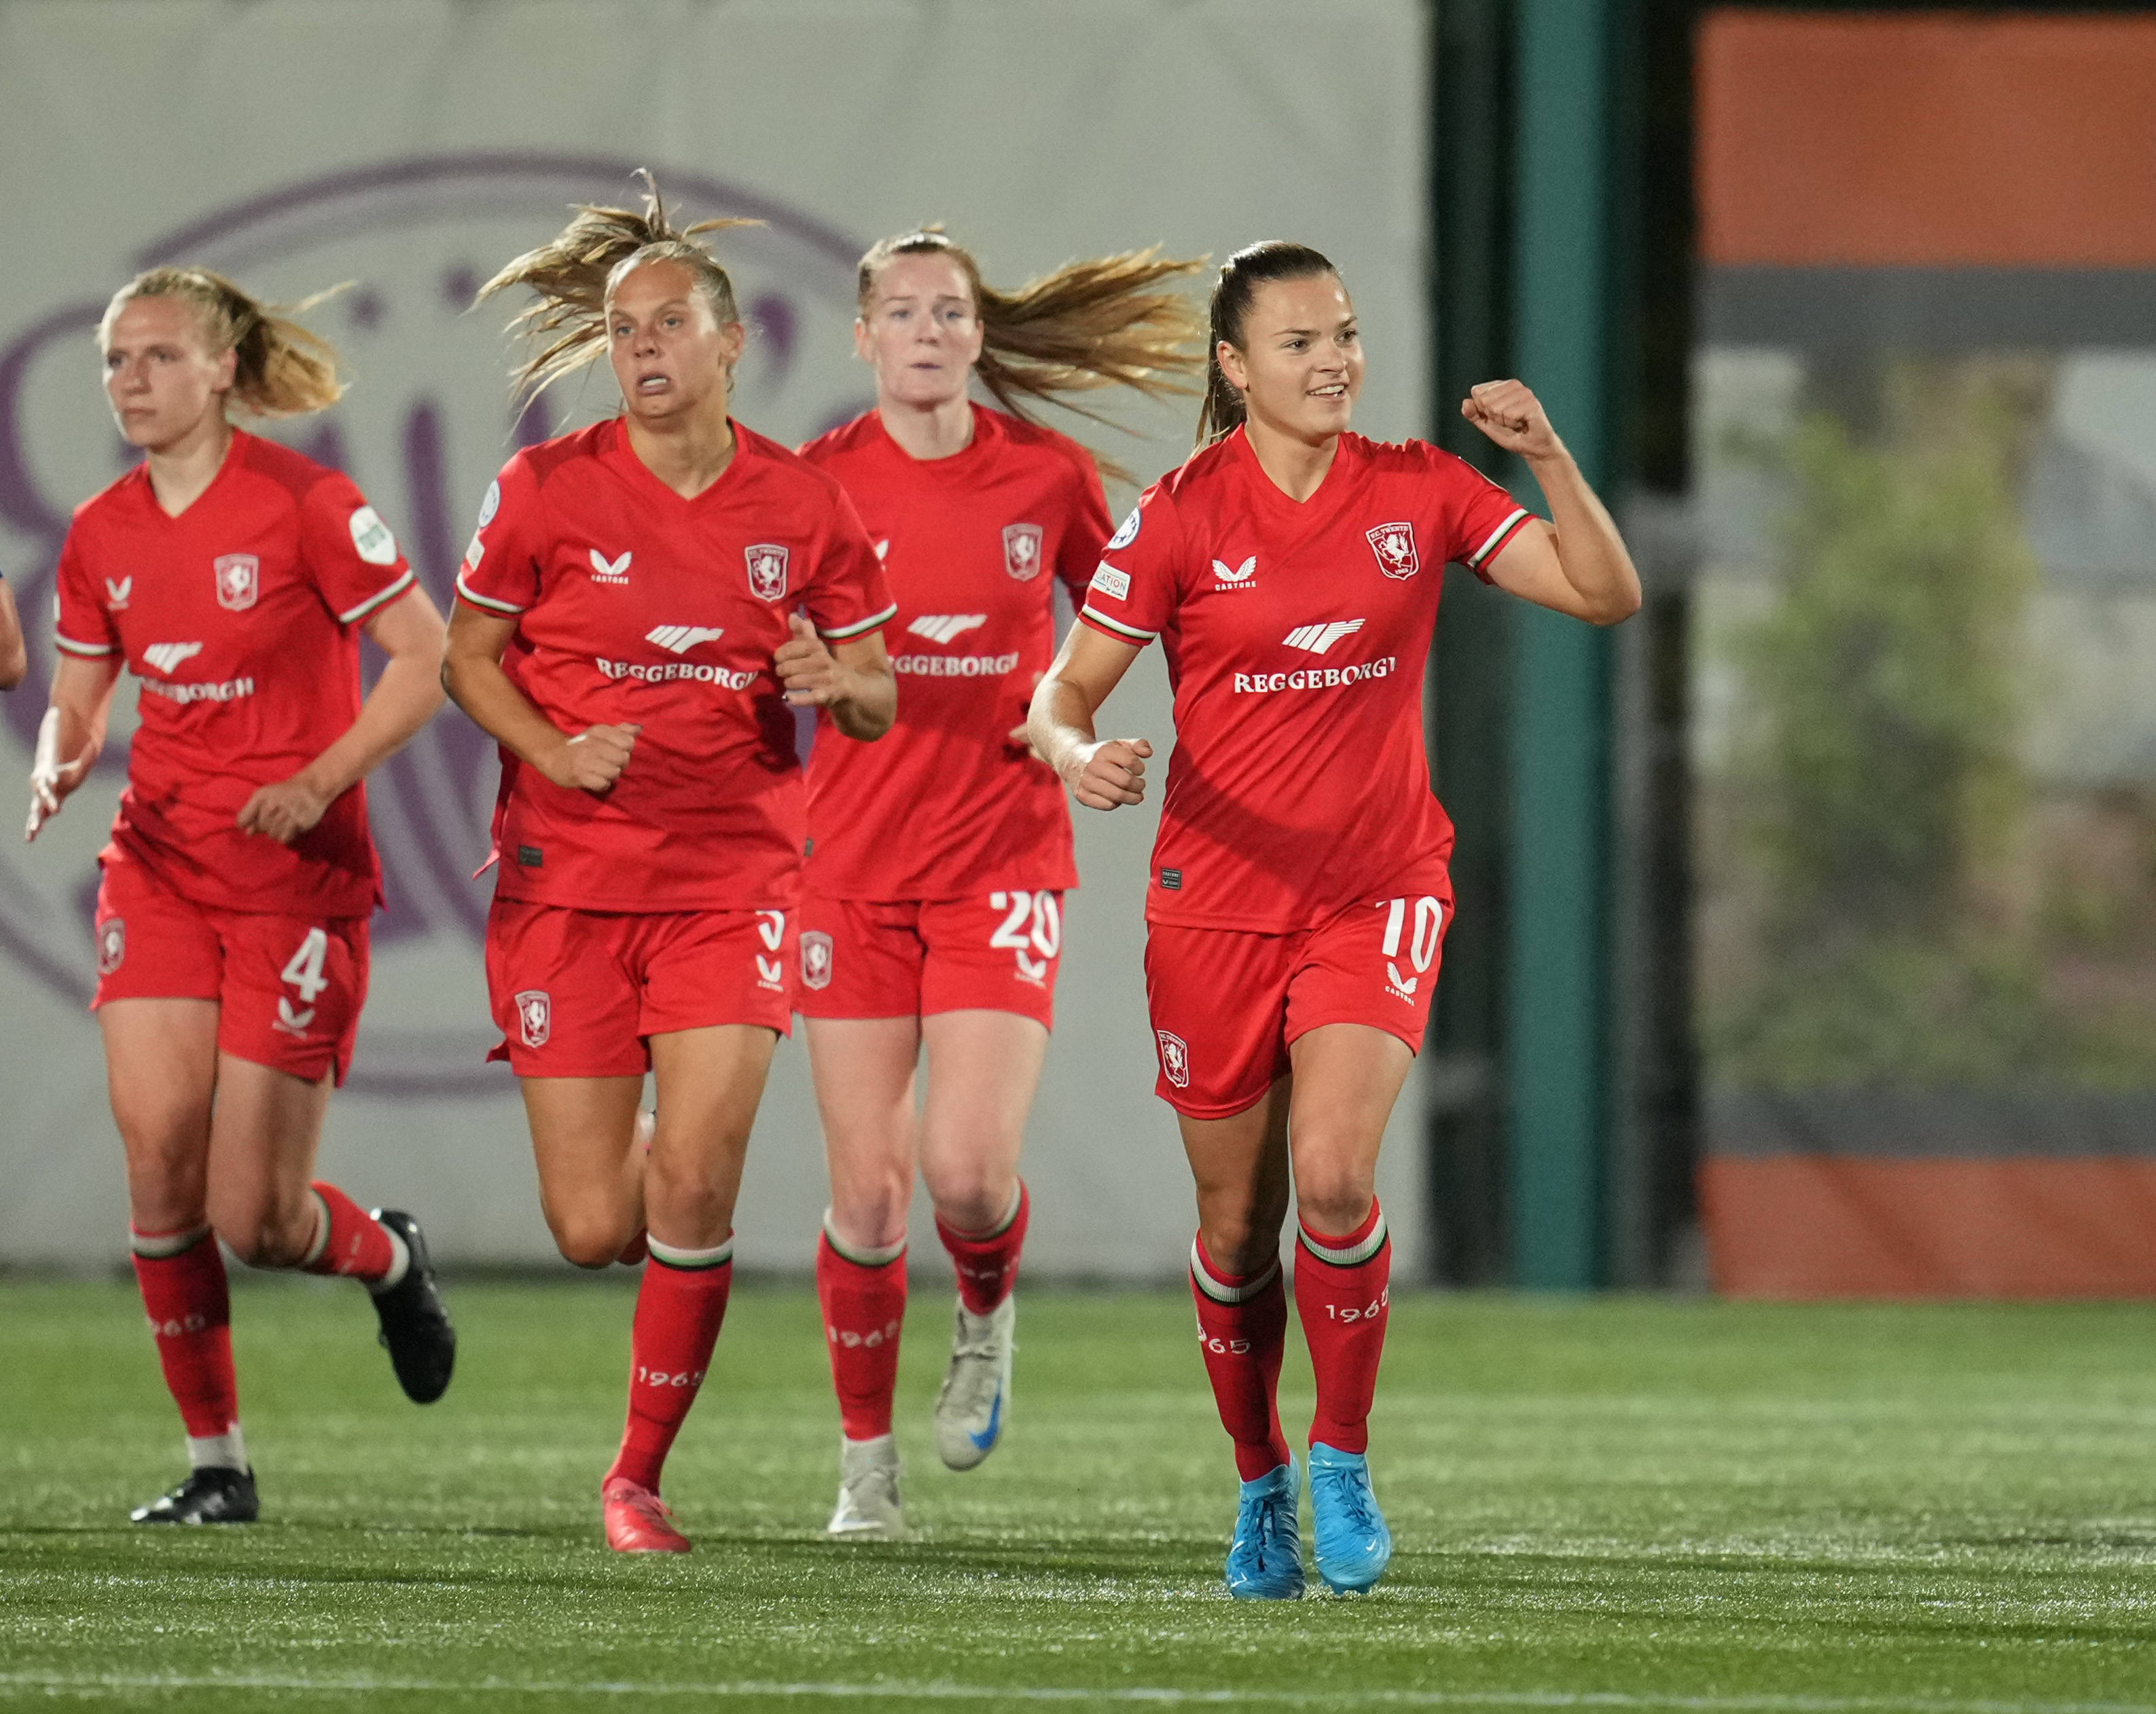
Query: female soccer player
(232, 575)
(1298, 893)
(940, 856)
(642, 601)
(14, 658)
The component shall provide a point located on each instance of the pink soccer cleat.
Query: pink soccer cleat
(637, 1520)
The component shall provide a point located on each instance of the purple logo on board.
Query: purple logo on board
(423, 431)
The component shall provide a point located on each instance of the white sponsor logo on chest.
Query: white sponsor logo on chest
(116, 594)
(165, 656)
(1227, 576)
(610, 570)
(679, 639)
(947, 627)
(1319, 637)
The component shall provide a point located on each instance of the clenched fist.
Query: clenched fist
(1513, 417)
(593, 760)
(1109, 774)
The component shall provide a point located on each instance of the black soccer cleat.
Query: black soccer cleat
(415, 1325)
(214, 1494)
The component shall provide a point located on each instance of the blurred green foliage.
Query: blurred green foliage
(1881, 803)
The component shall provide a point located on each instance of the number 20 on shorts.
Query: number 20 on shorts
(1421, 944)
(1032, 932)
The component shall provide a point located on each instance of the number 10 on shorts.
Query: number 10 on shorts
(1032, 932)
(1421, 944)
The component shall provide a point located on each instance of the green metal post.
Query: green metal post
(1557, 1064)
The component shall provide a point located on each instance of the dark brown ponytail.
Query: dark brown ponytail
(1240, 276)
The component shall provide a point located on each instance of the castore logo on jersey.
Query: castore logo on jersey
(1319, 637)
(767, 570)
(679, 639)
(239, 577)
(116, 594)
(1394, 545)
(165, 656)
(1227, 576)
(609, 571)
(1022, 550)
(947, 627)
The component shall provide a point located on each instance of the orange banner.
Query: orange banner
(1838, 1226)
(1939, 141)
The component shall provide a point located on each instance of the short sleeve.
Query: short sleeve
(501, 565)
(1480, 516)
(1085, 529)
(84, 627)
(350, 554)
(1132, 593)
(847, 593)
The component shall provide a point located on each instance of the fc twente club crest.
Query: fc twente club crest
(767, 570)
(815, 958)
(1394, 545)
(535, 1016)
(1022, 550)
(238, 580)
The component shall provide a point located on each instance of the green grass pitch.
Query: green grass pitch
(1621, 1505)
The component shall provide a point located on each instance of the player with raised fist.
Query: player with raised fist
(643, 606)
(234, 577)
(1298, 895)
(939, 857)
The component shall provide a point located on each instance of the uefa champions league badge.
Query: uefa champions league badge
(420, 234)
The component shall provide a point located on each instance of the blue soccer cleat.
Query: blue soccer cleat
(1265, 1561)
(1353, 1545)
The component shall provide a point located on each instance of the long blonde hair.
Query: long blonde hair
(1092, 323)
(576, 270)
(281, 368)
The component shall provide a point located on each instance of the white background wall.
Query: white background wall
(403, 144)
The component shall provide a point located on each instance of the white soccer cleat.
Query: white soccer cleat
(869, 1508)
(975, 1402)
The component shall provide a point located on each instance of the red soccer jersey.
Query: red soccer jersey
(944, 805)
(239, 617)
(1296, 635)
(634, 606)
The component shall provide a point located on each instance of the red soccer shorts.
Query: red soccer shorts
(989, 951)
(289, 989)
(1227, 1004)
(579, 994)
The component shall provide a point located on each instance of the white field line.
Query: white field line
(49, 1684)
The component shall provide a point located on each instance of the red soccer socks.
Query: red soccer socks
(863, 1294)
(182, 1275)
(1343, 1293)
(678, 1308)
(987, 1261)
(1242, 1329)
(351, 1241)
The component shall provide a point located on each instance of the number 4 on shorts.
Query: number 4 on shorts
(304, 969)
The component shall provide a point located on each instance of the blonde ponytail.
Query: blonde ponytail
(281, 368)
(574, 272)
(1090, 324)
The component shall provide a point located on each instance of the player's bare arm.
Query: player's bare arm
(589, 761)
(71, 734)
(1102, 773)
(853, 679)
(14, 658)
(1577, 563)
(404, 699)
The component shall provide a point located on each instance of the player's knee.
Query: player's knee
(587, 1240)
(1332, 1201)
(972, 1202)
(259, 1238)
(686, 1197)
(1241, 1239)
